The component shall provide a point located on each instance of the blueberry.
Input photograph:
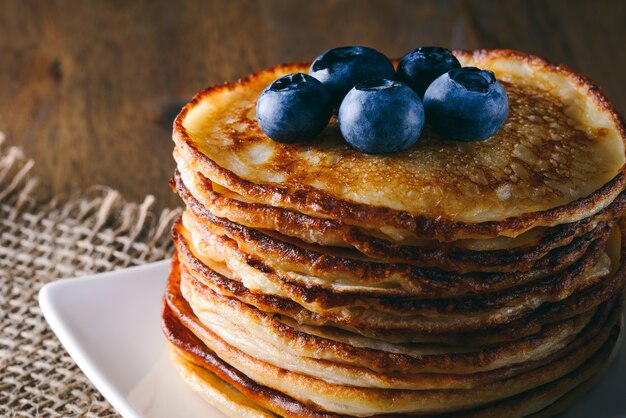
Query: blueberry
(294, 108)
(421, 66)
(381, 116)
(342, 68)
(466, 104)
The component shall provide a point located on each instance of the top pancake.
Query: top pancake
(558, 158)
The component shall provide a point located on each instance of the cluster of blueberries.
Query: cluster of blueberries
(379, 109)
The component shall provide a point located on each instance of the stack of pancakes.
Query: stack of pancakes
(471, 279)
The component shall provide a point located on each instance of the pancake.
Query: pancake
(558, 158)
(474, 279)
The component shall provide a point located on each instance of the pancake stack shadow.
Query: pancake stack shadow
(283, 301)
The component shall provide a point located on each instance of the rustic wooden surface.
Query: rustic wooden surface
(88, 88)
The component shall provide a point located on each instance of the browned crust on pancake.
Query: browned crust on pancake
(322, 263)
(435, 255)
(553, 395)
(431, 284)
(424, 283)
(588, 341)
(523, 320)
(565, 390)
(552, 288)
(194, 350)
(252, 212)
(309, 199)
(520, 258)
(188, 349)
(389, 362)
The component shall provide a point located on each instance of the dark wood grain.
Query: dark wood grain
(88, 88)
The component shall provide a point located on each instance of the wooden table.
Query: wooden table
(89, 88)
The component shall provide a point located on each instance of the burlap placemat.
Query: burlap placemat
(90, 232)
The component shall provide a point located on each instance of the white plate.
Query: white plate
(109, 324)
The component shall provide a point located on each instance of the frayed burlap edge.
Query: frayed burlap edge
(92, 231)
